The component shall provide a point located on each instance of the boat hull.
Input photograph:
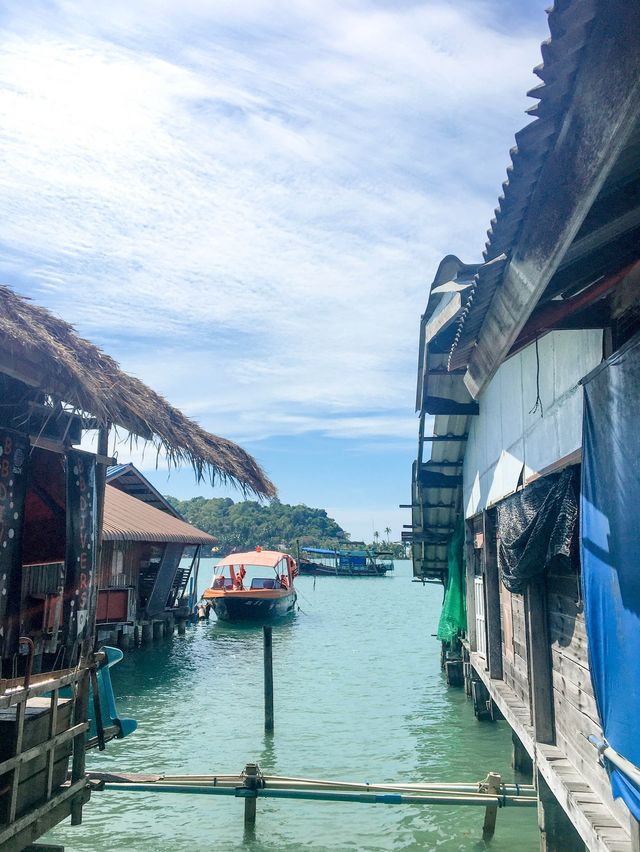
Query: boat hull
(316, 569)
(253, 608)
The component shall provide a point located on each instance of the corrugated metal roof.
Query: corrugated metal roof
(569, 24)
(128, 478)
(129, 519)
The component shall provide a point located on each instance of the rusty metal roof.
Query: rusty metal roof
(129, 519)
(569, 25)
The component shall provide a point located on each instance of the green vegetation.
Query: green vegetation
(246, 524)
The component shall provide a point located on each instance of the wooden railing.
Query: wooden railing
(41, 731)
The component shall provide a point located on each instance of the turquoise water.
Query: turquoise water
(359, 696)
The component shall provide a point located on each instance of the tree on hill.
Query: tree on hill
(246, 524)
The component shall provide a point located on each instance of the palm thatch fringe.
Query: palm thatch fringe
(44, 351)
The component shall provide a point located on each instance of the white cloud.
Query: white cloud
(245, 201)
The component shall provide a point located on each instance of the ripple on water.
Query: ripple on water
(358, 695)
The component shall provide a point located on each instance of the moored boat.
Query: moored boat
(320, 561)
(254, 586)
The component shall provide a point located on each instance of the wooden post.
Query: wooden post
(250, 782)
(469, 576)
(147, 633)
(268, 679)
(491, 784)
(158, 630)
(539, 650)
(520, 758)
(81, 709)
(492, 594)
(557, 832)
(182, 627)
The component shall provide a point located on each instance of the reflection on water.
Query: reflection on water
(358, 696)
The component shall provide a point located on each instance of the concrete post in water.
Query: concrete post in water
(491, 784)
(158, 630)
(182, 627)
(251, 782)
(268, 679)
(147, 633)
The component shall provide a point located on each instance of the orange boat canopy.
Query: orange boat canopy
(262, 558)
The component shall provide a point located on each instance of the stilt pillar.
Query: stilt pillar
(182, 627)
(520, 758)
(147, 633)
(158, 630)
(557, 832)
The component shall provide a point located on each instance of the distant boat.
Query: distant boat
(253, 586)
(343, 563)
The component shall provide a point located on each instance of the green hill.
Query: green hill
(246, 524)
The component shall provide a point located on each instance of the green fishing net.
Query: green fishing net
(453, 618)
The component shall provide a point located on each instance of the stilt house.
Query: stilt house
(526, 494)
(54, 386)
(144, 584)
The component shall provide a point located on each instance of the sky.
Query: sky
(245, 201)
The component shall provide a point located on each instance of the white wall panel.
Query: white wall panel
(508, 433)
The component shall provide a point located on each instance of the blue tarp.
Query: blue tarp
(610, 549)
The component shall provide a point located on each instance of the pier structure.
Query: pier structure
(55, 697)
(147, 587)
(523, 489)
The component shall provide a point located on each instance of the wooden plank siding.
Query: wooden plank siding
(514, 664)
(574, 703)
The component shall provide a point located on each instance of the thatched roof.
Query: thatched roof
(45, 352)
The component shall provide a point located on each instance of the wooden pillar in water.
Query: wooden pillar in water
(492, 783)
(158, 630)
(147, 633)
(251, 782)
(268, 679)
(520, 758)
(557, 832)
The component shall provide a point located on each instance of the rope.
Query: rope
(538, 403)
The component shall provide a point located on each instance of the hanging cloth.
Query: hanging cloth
(610, 552)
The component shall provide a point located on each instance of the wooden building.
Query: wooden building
(54, 386)
(508, 350)
(145, 583)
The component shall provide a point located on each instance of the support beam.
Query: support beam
(442, 405)
(469, 563)
(433, 479)
(439, 439)
(541, 683)
(492, 594)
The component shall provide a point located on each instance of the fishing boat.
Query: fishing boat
(344, 563)
(253, 586)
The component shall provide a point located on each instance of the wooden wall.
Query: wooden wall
(514, 644)
(576, 716)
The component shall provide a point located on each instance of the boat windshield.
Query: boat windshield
(253, 577)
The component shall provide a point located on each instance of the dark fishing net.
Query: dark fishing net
(536, 527)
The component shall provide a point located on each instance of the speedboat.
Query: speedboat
(253, 586)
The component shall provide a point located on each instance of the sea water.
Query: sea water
(359, 696)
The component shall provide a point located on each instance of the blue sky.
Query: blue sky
(244, 202)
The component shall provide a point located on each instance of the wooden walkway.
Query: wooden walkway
(598, 827)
